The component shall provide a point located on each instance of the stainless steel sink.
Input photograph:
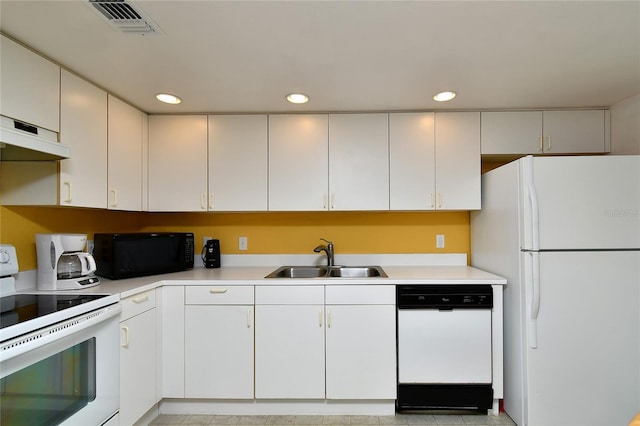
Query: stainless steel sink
(357, 272)
(326, 272)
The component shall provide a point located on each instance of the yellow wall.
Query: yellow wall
(351, 232)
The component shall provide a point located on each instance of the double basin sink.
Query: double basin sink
(328, 272)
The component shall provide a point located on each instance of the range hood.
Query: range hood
(24, 142)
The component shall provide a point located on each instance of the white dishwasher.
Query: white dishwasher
(444, 347)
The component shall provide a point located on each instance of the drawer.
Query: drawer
(290, 295)
(137, 304)
(361, 295)
(219, 295)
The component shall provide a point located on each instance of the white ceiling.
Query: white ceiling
(245, 56)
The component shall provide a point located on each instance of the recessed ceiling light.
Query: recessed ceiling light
(444, 96)
(168, 98)
(297, 98)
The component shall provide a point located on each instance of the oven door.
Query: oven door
(63, 374)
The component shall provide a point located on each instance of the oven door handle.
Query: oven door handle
(37, 339)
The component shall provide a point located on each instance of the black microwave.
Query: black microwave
(131, 255)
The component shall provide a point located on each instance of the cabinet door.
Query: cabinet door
(411, 161)
(237, 162)
(178, 163)
(29, 86)
(511, 132)
(83, 127)
(298, 162)
(580, 131)
(137, 366)
(361, 352)
(172, 342)
(290, 351)
(219, 351)
(124, 166)
(359, 161)
(457, 160)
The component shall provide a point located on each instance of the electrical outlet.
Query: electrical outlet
(90, 246)
(440, 241)
(204, 240)
(242, 243)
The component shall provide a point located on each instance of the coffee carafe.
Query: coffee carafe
(62, 262)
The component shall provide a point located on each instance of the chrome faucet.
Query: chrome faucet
(328, 249)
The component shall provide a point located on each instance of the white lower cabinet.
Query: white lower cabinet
(290, 358)
(219, 334)
(137, 356)
(277, 342)
(360, 342)
(172, 342)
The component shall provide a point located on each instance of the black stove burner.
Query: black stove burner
(19, 308)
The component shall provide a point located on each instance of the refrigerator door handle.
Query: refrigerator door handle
(534, 309)
(533, 202)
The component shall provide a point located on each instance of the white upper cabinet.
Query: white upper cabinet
(178, 163)
(29, 86)
(125, 159)
(412, 161)
(298, 162)
(83, 127)
(580, 131)
(545, 132)
(237, 163)
(457, 160)
(359, 161)
(511, 132)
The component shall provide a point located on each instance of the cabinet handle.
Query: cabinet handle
(217, 290)
(328, 318)
(540, 143)
(333, 201)
(115, 198)
(203, 204)
(68, 185)
(320, 318)
(433, 200)
(140, 299)
(126, 336)
(439, 200)
(210, 201)
(548, 143)
(249, 318)
(324, 201)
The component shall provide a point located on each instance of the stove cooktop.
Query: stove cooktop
(25, 312)
(24, 307)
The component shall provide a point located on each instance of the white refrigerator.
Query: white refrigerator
(565, 232)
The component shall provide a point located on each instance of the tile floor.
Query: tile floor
(426, 418)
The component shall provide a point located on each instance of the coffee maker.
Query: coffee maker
(63, 264)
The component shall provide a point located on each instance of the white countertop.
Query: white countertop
(229, 276)
(401, 269)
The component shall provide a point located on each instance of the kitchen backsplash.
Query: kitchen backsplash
(267, 233)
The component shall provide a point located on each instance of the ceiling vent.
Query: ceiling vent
(125, 17)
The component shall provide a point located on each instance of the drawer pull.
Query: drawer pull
(218, 290)
(140, 299)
